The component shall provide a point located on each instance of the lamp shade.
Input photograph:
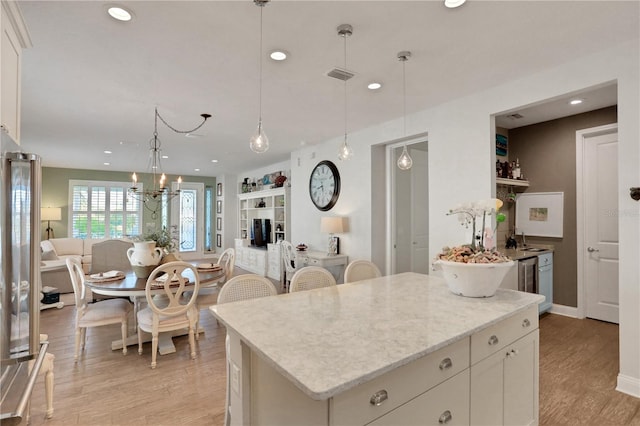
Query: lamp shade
(333, 224)
(50, 213)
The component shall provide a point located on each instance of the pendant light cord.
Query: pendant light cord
(260, 91)
(345, 88)
(404, 99)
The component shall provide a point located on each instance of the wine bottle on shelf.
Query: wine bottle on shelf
(516, 169)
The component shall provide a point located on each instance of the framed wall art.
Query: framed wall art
(218, 240)
(219, 206)
(540, 214)
(218, 224)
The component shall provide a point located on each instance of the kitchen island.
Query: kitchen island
(399, 349)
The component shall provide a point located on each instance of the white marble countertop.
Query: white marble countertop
(331, 339)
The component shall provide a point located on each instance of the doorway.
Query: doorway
(597, 222)
(408, 198)
(187, 216)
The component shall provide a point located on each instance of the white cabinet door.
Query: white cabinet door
(447, 403)
(504, 386)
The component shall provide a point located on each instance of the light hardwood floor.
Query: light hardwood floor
(578, 368)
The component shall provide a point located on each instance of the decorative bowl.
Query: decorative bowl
(474, 279)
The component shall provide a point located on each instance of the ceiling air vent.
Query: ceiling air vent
(515, 116)
(340, 74)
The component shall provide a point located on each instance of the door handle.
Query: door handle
(592, 250)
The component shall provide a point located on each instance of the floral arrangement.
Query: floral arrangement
(482, 247)
(164, 238)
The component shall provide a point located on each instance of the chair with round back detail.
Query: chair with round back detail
(171, 311)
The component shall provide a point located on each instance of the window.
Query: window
(103, 210)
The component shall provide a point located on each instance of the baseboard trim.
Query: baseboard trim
(567, 311)
(628, 385)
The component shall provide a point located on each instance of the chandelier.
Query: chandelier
(154, 198)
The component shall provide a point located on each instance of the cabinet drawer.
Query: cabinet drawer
(497, 336)
(396, 387)
(447, 403)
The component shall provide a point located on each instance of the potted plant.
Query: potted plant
(165, 240)
(475, 269)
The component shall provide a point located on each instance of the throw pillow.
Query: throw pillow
(49, 255)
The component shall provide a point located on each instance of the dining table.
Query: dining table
(134, 288)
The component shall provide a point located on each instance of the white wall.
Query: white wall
(461, 168)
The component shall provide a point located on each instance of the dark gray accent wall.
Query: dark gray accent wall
(547, 154)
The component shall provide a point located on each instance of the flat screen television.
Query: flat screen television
(261, 231)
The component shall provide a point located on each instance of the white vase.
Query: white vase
(144, 257)
(474, 279)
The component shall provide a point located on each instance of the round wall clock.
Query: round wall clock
(324, 185)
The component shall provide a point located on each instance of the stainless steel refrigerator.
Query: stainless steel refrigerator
(20, 344)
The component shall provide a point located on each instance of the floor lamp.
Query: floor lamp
(49, 214)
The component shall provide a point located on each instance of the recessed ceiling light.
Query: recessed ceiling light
(374, 86)
(106, 151)
(107, 164)
(196, 170)
(214, 161)
(164, 157)
(119, 13)
(453, 3)
(576, 101)
(278, 55)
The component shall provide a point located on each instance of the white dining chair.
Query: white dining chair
(288, 254)
(105, 312)
(172, 311)
(242, 287)
(208, 296)
(359, 270)
(311, 277)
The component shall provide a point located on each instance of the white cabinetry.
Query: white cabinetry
(272, 204)
(488, 378)
(250, 258)
(545, 280)
(14, 38)
(504, 377)
(274, 261)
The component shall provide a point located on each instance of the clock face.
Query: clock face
(324, 185)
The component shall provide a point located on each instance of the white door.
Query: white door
(599, 248)
(419, 211)
(187, 214)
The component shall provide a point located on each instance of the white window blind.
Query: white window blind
(103, 210)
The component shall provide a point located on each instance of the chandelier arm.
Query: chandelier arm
(204, 120)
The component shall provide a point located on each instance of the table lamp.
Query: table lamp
(333, 225)
(49, 214)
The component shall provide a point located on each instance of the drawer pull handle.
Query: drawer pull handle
(445, 364)
(526, 323)
(445, 417)
(378, 398)
(493, 340)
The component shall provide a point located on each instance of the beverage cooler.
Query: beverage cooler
(20, 346)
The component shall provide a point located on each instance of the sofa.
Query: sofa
(54, 254)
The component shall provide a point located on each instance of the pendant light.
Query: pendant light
(404, 161)
(345, 152)
(259, 142)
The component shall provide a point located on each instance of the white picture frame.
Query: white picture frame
(540, 214)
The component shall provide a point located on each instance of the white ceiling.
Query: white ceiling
(91, 84)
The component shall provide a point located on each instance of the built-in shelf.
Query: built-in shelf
(512, 182)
